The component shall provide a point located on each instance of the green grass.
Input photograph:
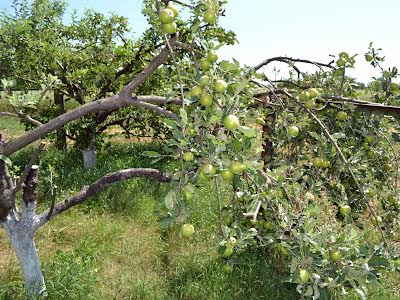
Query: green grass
(10, 126)
(112, 247)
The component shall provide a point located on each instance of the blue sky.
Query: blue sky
(310, 29)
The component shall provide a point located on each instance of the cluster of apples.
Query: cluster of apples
(319, 162)
(308, 97)
(167, 17)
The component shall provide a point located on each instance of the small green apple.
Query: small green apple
(341, 62)
(237, 167)
(187, 230)
(345, 210)
(228, 268)
(304, 276)
(174, 9)
(206, 100)
(212, 57)
(205, 65)
(209, 17)
(170, 28)
(227, 175)
(293, 131)
(166, 16)
(228, 251)
(231, 122)
(313, 92)
(260, 121)
(196, 91)
(336, 256)
(188, 156)
(204, 80)
(209, 170)
(368, 57)
(317, 162)
(220, 86)
(310, 104)
(341, 116)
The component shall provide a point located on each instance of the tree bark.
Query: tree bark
(61, 142)
(21, 237)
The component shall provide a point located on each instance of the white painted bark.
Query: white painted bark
(89, 158)
(21, 233)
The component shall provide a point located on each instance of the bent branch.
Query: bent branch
(23, 117)
(96, 187)
(289, 60)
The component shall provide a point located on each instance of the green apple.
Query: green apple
(341, 62)
(325, 163)
(204, 80)
(341, 116)
(369, 139)
(317, 162)
(293, 131)
(188, 156)
(304, 96)
(212, 57)
(387, 74)
(231, 122)
(344, 55)
(336, 256)
(310, 104)
(205, 65)
(345, 210)
(394, 86)
(268, 225)
(174, 9)
(313, 92)
(228, 251)
(260, 121)
(209, 170)
(220, 86)
(187, 230)
(237, 167)
(365, 146)
(227, 175)
(228, 268)
(166, 16)
(304, 276)
(210, 17)
(196, 91)
(170, 28)
(206, 100)
(188, 196)
(368, 57)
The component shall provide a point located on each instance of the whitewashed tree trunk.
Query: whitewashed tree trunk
(89, 157)
(21, 234)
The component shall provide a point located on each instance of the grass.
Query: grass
(10, 126)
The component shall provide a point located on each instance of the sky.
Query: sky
(310, 29)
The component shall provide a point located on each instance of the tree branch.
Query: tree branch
(96, 187)
(106, 104)
(289, 60)
(23, 117)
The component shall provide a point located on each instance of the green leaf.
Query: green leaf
(6, 159)
(170, 200)
(248, 132)
(151, 154)
(166, 222)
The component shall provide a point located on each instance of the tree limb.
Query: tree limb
(96, 187)
(23, 117)
(289, 60)
(106, 104)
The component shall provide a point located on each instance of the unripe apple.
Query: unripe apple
(228, 268)
(293, 131)
(196, 91)
(212, 57)
(237, 167)
(166, 16)
(345, 210)
(369, 139)
(260, 121)
(227, 175)
(341, 62)
(313, 92)
(209, 17)
(317, 162)
(368, 57)
(304, 276)
(341, 116)
(209, 170)
(174, 9)
(304, 96)
(394, 86)
(188, 196)
(220, 86)
(188, 156)
(344, 55)
(336, 256)
(205, 65)
(325, 163)
(170, 28)
(310, 104)
(231, 122)
(206, 100)
(187, 230)
(228, 251)
(204, 80)
(268, 225)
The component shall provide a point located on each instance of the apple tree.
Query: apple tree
(319, 201)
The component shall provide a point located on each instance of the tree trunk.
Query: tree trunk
(21, 237)
(61, 142)
(89, 157)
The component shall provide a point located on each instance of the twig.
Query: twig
(53, 202)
